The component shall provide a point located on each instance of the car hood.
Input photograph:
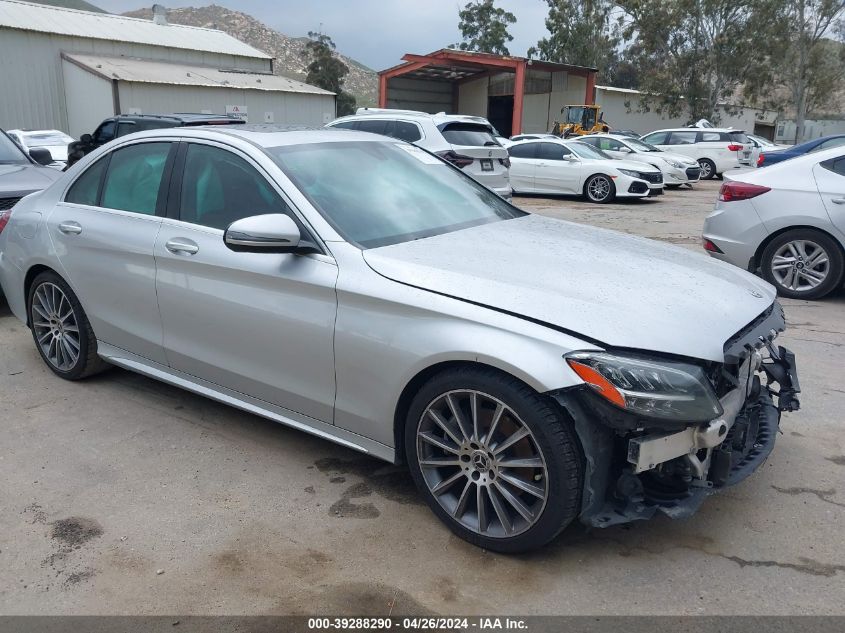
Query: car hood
(684, 160)
(615, 289)
(19, 180)
(634, 165)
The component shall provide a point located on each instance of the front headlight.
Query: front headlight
(674, 163)
(650, 387)
(630, 172)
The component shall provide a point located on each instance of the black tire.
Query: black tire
(87, 362)
(833, 270)
(708, 168)
(552, 436)
(611, 189)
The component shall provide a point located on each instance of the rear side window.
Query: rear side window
(406, 131)
(712, 136)
(134, 178)
(86, 188)
(836, 165)
(524, 150)
(552, 151)
(682, 138)
(469, 134)
(219, 187)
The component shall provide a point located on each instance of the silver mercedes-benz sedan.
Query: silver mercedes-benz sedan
(529, 371)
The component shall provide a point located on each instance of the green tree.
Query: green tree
(694, 55)
(484, 27)
(583, 33)
(327, 71)
(812, 71)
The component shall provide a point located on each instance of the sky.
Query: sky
(375, 32)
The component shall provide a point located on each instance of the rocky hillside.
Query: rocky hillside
(288, 51)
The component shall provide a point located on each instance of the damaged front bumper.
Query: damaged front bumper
(636, 471)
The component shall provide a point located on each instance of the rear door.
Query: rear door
(104, 232)
(260, 324)
(830, 179)
(476, 141)
(523, 158)
(554, 173)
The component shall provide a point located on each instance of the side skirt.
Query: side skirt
(141, 365)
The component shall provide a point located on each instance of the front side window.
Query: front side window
(658, 138)
(134, 176)
(553, 151)
(219, 187)
(588, 151)
(683, 138)
(833, 142)
(105, 132)
(86, 188)
(374, 127)
(379, 193)
(10, 153)
(346, 125)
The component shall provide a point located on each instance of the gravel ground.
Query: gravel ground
(121, 495)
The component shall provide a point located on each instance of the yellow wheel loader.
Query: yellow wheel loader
(579, 120)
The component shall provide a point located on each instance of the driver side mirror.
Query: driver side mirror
(41, 156)
(87, 139)
(571, 158)
(270, 233)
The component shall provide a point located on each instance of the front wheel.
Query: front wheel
(600, 189)
(495, 461)
(63, 336)
(802, 264)
(708, 168)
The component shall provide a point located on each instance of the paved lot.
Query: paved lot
(123, 495)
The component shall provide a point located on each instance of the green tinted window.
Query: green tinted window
(219, 187)
(87, 186)
(134, 177)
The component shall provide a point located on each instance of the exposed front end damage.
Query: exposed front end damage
(637, 466)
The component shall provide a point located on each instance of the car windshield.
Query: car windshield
(46, 139)
(380, 193)
(641, 146)
(10, 153)
(588, 151)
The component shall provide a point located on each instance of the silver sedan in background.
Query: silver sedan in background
(530, 371)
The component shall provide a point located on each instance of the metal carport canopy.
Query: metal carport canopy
(461, 66)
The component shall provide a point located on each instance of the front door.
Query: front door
(257, 323)
(558, 170)
(104, 232)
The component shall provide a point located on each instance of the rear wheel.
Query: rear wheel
(708, 168)
(494, 460)
(803, 264)
(600, 189)
(60, 328)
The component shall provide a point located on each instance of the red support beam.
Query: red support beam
(382, 91)
(518, 98)
(590, 92)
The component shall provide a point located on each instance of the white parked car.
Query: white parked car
(573, 167)
(531, 137)
(54, 141)
(762, 144)
(787, 222)
(677, 169)
(716, 150)
(468, 142)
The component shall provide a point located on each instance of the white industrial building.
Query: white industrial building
(68, 70)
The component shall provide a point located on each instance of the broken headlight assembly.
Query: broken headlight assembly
(648, 387)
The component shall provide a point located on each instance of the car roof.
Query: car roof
(389, 113)
(696, 129)
(184, 117)
(266, 134)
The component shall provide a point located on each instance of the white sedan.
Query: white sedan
(786, 221)
(677, 169)
(54, 141)
(573, 167)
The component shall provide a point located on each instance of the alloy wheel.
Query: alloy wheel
(55, 326)
(598, 188)
(706, 169)
(800, 265)
(481, 463)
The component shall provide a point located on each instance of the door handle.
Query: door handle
(838, 200)
(70, 228)
(180, 245)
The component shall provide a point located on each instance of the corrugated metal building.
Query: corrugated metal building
(68, 69)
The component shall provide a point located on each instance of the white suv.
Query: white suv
(468, 142)
(716, 150)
